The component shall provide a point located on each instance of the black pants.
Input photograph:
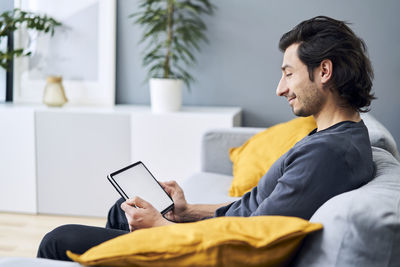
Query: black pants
(79, 238)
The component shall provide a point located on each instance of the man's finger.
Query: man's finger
(131, 202)
(169, 215)
(170, 183)
(168, 189)
(125, 206)
(141, 203)
(163, 185)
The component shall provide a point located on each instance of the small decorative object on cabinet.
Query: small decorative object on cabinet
(54, 94)
(172, 30)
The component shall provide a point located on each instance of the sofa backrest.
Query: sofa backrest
(361, 227)
(379, 135)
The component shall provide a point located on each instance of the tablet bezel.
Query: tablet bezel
(122, 192)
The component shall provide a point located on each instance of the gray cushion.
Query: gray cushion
(361, 227)
(379, 135)
(207, 188)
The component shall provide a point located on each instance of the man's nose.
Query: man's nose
(282, 88)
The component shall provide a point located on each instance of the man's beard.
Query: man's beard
(311, 103)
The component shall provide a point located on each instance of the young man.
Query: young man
(326, 74)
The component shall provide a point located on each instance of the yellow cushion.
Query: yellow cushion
(253, 159)
(223, 241)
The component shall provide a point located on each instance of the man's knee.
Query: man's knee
(55, 243)
(116, 217)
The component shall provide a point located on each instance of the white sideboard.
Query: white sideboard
(76, 149)
(56, 159)
(17, 160)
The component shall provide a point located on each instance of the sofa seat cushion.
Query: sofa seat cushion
(361, 227)
(207, 188)
(29, 262)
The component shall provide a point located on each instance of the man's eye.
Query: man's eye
(288, 74)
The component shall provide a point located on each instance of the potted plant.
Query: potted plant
(10, 21)
(173, 30)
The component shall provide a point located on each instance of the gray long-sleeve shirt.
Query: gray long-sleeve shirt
(319, 167)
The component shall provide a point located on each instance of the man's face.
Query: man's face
(304, 96)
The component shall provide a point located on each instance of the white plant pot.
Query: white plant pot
(165, 95)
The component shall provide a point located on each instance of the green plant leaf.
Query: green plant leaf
(10, 21)
(172, 31)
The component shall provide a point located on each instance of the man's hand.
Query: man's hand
(180, 205)
(141, 214)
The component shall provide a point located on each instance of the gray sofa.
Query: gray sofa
(361, 227)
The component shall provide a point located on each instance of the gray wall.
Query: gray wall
(241, 64)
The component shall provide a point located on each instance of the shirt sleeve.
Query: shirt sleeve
(311, 175)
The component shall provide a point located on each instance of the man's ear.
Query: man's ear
(326, 70)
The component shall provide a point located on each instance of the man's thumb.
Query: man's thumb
(141, 203)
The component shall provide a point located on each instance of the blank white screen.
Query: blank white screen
(137, 181)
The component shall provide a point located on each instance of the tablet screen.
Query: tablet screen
(136, 180)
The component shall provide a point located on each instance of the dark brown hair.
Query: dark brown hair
(323, 38)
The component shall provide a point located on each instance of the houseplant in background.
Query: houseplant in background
(10, 21)
(173, 30)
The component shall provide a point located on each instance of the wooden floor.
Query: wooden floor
(20, 234)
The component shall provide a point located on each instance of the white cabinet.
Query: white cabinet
(17, 160)
(75, 152)
(55, 160)
(170, 144)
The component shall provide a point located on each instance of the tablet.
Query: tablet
(136, 180)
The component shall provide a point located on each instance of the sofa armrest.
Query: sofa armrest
(216, 144)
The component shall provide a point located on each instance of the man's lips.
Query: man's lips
(290, 99)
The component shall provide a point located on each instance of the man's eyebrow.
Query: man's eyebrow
(284, 67)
